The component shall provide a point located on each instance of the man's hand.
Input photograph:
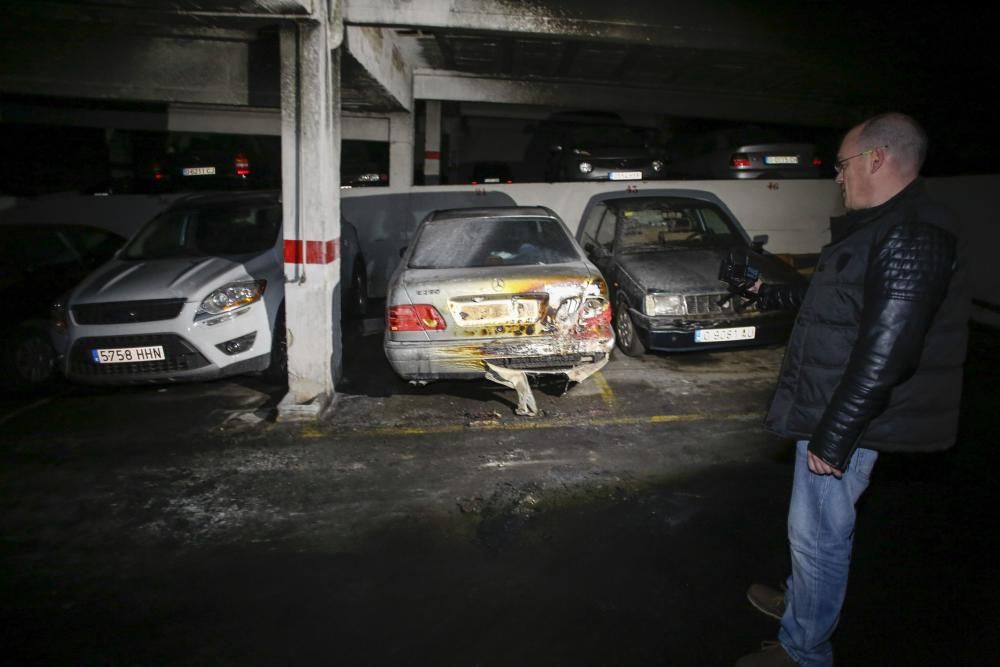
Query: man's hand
(821, 467)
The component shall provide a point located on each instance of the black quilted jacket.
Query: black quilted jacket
(875, 359)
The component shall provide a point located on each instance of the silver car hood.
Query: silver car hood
(190, 278)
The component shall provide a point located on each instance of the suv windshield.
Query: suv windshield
(663, 223)
(454, 244)
(605, 137)
(207, 231)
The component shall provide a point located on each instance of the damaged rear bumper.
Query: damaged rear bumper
(426, 361)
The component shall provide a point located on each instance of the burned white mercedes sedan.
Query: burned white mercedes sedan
(502, 293)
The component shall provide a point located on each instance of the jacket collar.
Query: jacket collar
(845, 225)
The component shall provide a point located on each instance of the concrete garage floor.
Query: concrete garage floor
(179, 526)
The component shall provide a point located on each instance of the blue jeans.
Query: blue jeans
(820, 533)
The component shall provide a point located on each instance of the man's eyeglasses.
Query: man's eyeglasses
(838, 165)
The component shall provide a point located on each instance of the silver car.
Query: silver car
(742, 153)
(500, 293)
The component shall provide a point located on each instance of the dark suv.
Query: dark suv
(38, 263)
(577, 146)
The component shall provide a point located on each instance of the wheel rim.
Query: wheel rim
(624, 326)
(34, 360)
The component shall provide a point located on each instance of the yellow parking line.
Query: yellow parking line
(526, 425)
(606, 393)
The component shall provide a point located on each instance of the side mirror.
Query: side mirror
(588, 247)
(759, 242)
(402, 251)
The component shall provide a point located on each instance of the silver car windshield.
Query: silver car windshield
(454, 244)
(657, 224)
(206, 232)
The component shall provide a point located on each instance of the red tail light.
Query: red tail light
(241, 164)
(739, 160)
(595, 319)
(418, 317)
(157, 171)
(817, 162)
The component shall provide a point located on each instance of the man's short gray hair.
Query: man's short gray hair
(906, 140)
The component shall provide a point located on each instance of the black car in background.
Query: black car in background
(48, 244)
(660, 251)
(202, 161)
(592, 146)
(491, 172)
(364, 164)
(38, 263)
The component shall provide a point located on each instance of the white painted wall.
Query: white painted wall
(795, 214)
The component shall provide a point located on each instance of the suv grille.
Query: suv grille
(122, 312)
(180, 356)
(708, 304)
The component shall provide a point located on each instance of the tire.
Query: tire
(626, 334)
(29, 362)
(356, 302)
(277, 369)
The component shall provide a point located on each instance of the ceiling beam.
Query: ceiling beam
(379, 52)
(678, 23)
(605, 96)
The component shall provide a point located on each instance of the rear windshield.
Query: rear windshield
(455, 244)
(207, 232)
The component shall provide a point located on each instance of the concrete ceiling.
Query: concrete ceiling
(820, 63)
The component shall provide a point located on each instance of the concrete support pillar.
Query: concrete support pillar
(310, 138)
(401, 149)
(432, 142)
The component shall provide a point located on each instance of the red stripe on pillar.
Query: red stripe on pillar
(293, 252)
(311, 252)
(432, 155)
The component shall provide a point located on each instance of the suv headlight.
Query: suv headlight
(665, 304)
(59, 315)
(229, 298)
(585, 167)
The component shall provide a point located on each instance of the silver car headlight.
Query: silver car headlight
(585, 167)
(231, 297)
(665, 304)
(657, 165)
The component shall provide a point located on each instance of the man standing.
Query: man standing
(873, 365)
